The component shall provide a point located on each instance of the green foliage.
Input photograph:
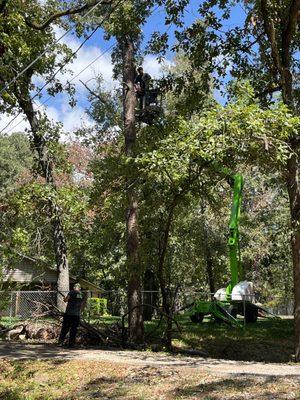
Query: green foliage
(15, 159)
(96, 307)
(21, 45)
(179, 171)
(182, 161)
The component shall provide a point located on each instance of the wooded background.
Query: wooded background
(131, 205)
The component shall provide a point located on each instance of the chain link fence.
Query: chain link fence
(30, 304)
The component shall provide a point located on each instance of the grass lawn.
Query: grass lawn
(265, 340)
(8, 321)
(82, 380)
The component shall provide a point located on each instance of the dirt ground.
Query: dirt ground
(39, 371)
(19, 351)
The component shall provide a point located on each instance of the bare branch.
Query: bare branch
(93, 93)
(59, 14)
(245, 49)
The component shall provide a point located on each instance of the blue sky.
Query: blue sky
(58, 109)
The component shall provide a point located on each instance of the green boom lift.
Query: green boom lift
(238, 296)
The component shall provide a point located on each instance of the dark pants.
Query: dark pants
(142, 100)
(70, 323)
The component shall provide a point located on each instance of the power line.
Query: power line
(47, 49)
(42, 104)
(66, 62)
(54, 75)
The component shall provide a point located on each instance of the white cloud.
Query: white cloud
(73, 118)
(153, 67)
(85, 56)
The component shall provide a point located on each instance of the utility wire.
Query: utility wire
(67, 61)
(46, 101)
(84, 69)
(47, 49)
(54, 75)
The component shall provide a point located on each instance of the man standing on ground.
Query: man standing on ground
(141, 83)
(71, 318)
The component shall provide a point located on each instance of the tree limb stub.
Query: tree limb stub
(69, 11)
(92, 92)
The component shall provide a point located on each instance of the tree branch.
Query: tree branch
(269, 90)
(271, 33)
(59, 14)
(93, 93)
(289, 31)
(245, 49)
(3, 5)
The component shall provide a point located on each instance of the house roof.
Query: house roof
(26, 272)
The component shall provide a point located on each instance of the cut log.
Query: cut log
(15, 332)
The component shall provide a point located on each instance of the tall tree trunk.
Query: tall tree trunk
(134, 268)
(165, 291)
(293, 185)
(45, 169)
(209, 271)
(294, 197)
(281, 47)
(208, 256)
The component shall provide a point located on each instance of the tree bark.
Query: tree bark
(165, 291)
(294, 197)
(208, 255)
(134, 268)
(281, 52)
(45, 166)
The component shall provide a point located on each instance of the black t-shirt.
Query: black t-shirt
(143, 80)
(74, 303)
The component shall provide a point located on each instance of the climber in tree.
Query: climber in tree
(141, 85)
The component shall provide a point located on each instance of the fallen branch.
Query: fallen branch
(155, 308)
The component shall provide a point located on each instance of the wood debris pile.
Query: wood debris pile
(47, 330)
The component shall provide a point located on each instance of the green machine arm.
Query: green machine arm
(237, 182)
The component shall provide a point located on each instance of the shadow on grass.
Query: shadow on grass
(137, 387)
(266, 340)
(12, 394)
(246, 388)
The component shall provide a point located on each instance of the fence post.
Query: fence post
(244, 311)
(10, 308)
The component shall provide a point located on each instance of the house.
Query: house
(31, 283)
(30, 274)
